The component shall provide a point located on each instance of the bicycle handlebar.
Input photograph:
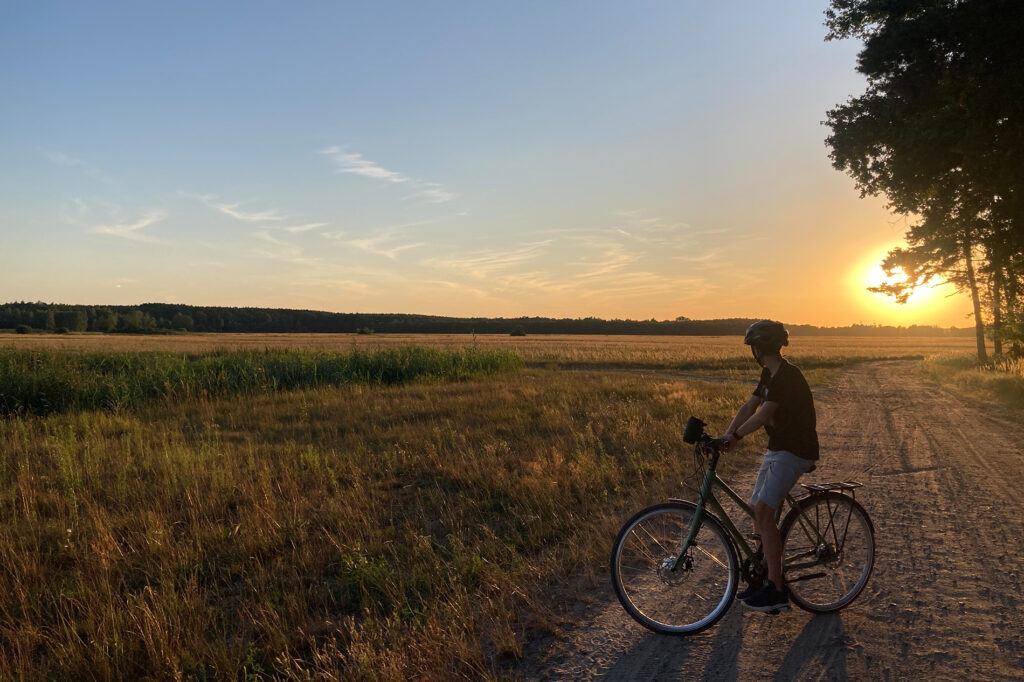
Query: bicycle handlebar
(716, 444)
(694, 434)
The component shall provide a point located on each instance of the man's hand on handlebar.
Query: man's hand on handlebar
(726, 441)
(721, 444)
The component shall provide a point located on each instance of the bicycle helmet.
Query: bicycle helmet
(767, 336)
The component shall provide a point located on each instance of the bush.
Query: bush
(518, 331)
(23, 329)
(61, 330)
(46, 382)
(364, 330)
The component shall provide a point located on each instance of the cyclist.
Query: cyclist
(783, 405)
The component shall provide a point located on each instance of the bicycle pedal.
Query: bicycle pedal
(754, 536)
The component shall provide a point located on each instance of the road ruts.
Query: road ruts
(944, 487)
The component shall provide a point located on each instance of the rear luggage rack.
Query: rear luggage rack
(841, 486)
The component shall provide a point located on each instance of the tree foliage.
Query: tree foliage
(939, 132)
(155, 318)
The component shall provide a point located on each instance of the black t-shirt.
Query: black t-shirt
(792, 427)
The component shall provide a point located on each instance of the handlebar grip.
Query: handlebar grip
(718, 444)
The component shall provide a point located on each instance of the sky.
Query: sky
(569, 159)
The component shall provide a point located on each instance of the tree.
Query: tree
(105, 320)
(938, 132)
(136, 321)
(73, 320)
(182, 321)
(45, 320)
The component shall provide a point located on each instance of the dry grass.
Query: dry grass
(1000, 381)
(652, 351)
(374, 532)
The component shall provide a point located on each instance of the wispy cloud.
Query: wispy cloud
(77, 209)
(262, 216)
(234, 210)
(627, 264)
(133, 231)
(486, 262)
(381, 244)
(348, 162)
(271, 247)
(613, 259)
(435, 195)
(701, 257)
(354, 163)
(68, 161)
(303, 228)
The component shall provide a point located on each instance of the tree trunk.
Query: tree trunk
(979, 323)
(997, 313)
(1012, 319)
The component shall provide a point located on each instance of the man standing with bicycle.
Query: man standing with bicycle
(783, 405)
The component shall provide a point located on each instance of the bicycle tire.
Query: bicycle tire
(841, 564)
(683, 602)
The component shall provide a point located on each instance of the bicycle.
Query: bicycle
(675, 566)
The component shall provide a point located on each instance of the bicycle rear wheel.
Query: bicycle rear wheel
(689, 599)
(828, 551)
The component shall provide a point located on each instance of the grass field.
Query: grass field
(662, 352)
(423, 528)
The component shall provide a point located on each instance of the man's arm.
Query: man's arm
(746, 410)
(752, 423)
(763, 416)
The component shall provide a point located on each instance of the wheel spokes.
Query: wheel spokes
(688, 598)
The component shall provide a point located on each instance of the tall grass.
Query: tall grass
(362, 526)
(49, 381)
(999, 381)
(415, 531)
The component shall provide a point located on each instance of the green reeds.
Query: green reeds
(44, 382)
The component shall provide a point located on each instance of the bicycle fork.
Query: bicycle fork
(698, 518)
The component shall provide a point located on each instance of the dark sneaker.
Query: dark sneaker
(750, 591)
(768, 599)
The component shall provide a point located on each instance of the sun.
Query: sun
(920, 308)
(875, 276)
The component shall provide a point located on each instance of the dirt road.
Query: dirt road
(945, 489)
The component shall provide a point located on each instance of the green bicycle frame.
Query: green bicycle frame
(707, 499)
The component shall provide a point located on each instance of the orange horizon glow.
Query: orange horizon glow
(931, 304)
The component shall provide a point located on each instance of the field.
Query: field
(427, 527)
(699, 353)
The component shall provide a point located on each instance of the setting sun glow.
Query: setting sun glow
(923, 305)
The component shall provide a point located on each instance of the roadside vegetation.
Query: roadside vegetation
(999, 381)
(351, 529)
(49, 381)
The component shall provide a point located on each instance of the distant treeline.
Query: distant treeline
(166, 317)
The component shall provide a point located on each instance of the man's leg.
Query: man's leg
(771, 541)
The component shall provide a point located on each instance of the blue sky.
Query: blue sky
(647, 159)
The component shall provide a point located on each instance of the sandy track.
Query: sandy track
(945, 486)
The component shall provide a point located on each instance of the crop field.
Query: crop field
(654, 351)
(337, 507)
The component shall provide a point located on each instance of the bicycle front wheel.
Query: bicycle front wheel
(828, 551)
(688, 599)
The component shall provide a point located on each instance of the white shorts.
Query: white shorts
(779, 472)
